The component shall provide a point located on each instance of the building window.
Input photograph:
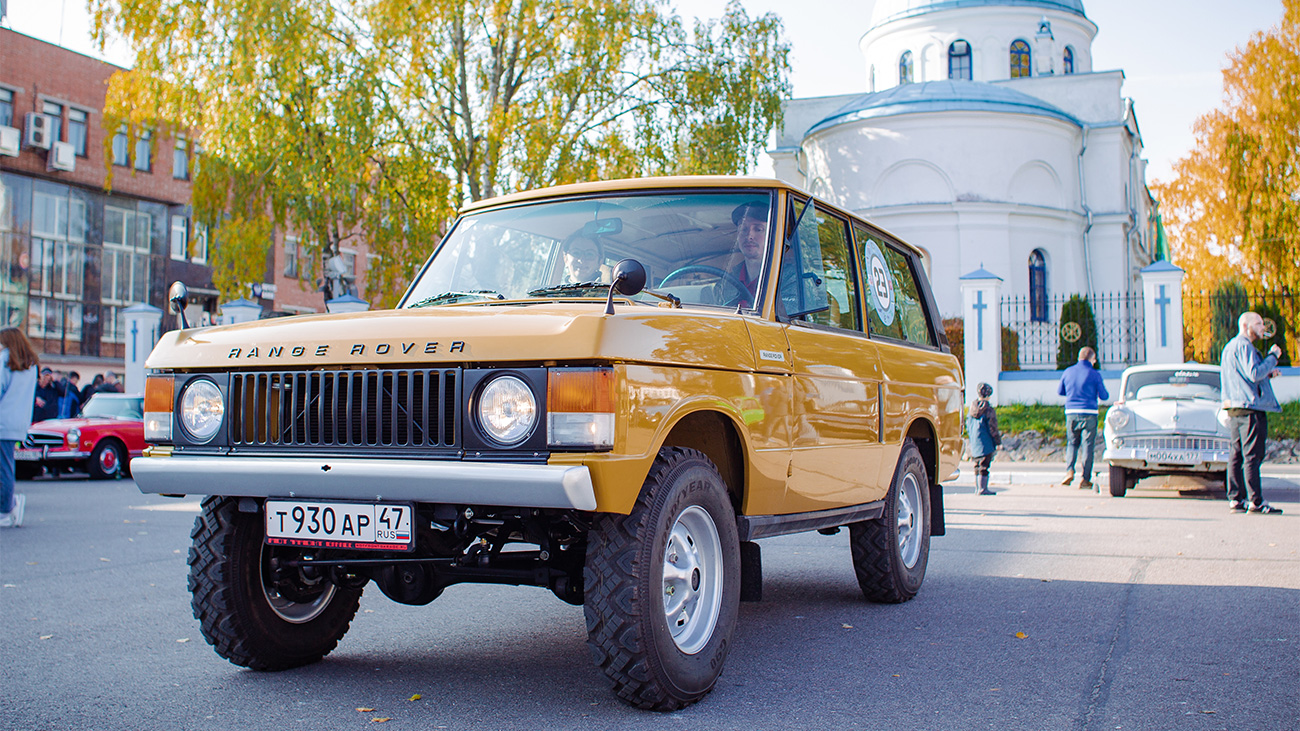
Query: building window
(55, 113)
(291, 256)
(1038, 286)
(959, 60)
(57, 266)
(78, 130)
(6, 108)
(199, 246)
(180, 238)
(1067, 61)
(181, 159)
(905, 68)
(121, 148)
(124, 271)
(144, 151)
(871, 80)
(1020, 61)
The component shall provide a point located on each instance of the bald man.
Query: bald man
(1248, 397)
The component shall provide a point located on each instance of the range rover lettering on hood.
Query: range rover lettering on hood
(357, 349)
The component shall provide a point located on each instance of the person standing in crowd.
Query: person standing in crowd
(92, 387)
(1244, 380)
(70, 401)
(110, 384)
(1082, 386)
(45, 404)
(982, 428)
(17, 393)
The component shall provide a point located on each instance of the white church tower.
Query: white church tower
(987, 139)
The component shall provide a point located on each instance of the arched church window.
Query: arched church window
(1020, 66)
(1067, 61)
(1037, 286)
(905, 68)
(871, 80)
(959, 61)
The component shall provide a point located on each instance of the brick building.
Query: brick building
(74, 254)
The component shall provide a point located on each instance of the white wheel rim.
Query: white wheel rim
(289, 610)
(909, 519)
(692, 579)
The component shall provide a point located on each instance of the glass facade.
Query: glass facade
(72, 259)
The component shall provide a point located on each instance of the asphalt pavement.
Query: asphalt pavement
(1045, 607)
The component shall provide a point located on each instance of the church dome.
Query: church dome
(940, 96)
(889, 10)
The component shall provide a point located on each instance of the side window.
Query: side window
(837, 271)
(895, 305)
(817, 270)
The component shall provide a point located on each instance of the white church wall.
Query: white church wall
(1091, 98)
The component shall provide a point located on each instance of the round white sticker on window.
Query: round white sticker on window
(880, 281)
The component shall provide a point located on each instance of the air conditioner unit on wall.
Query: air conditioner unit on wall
(63, 157)
(10, 140)
(39, 127)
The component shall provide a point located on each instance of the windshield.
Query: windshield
(705, 248)
(109, 407)
(1173, 384)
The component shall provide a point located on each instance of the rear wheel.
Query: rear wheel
(253, 614)
(1119, 481)
(107, 461)
(890, 553)
(662, 585)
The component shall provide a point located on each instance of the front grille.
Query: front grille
(402, 409)
(42, 439)
(1178, 442)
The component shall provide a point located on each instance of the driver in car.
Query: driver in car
(751, 238)
(583, 258)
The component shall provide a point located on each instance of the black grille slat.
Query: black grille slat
(406, 409)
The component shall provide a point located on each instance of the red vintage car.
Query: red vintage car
(101, 441)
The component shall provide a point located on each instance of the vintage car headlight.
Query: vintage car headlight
(202, 409)
(74, 436)
(507, 410)
(1117, 418)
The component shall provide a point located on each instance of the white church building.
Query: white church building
(987, 139)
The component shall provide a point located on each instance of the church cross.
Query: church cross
(135, 330)
(1163, 302)
(979, 319)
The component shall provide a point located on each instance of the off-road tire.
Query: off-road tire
(627, 599)
(232, 606)
(890, 553)
(107, 461)
(1119, 481)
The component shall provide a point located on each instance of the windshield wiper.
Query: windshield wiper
(563, 289)
(449, 297)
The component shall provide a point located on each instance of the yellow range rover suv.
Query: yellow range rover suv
(609, 390)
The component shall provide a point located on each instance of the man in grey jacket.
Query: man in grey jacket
(1248, 397)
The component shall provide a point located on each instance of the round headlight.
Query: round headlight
(202, 410)
(1117, 418)
(507, 410)
(74, 436)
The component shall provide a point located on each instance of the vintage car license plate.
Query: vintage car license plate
(1172, 456)
(355, 526)
(27, 455)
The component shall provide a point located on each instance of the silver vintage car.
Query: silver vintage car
(1168, 420)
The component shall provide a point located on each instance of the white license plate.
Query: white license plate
(27, 455)
(1170, 457)
(352, 526)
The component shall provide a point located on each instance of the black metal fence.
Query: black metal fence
(1121, 339)
(1210, 320)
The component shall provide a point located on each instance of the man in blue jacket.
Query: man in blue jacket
(1248, 397)
(1082, 386)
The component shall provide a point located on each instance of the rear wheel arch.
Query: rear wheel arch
(923, 435)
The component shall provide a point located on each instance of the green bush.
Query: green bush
(1010, 349)
(955, 329)
(1050, 420)
(1076, 310)
(1226, 305)
(1269, 312)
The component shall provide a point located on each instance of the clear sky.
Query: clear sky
(1171, 51)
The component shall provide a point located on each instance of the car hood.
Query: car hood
(501, 332)
(63, 425)
(1174, 416)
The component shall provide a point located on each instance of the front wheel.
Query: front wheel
(1119, 481)
(254, 612)
(107, 461)
(890, 553)
(663, 585)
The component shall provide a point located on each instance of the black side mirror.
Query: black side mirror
(179, 297)
(629, 280)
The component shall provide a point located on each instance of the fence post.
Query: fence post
(982, 310)
(1162, 300)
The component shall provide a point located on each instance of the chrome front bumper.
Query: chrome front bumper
(1190, 460)
(464, 483)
